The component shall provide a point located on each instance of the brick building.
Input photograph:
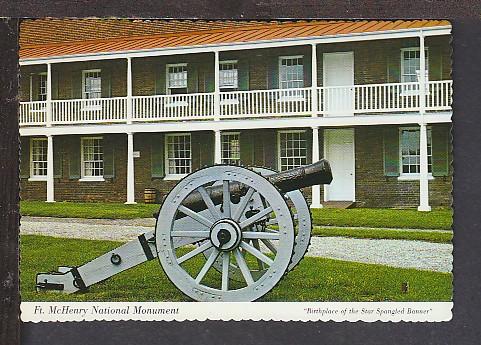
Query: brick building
(111, 107)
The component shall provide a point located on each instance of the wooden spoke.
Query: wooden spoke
(209, 203)
(195, 216)
(194, 252)
(208, 264)
(225, 271)
(269, 245)
(246, 273)
(256, 217)
(243, 204)
(193, 233)
(257, 253)
(260, 235)
(256, 245)
(226, 198)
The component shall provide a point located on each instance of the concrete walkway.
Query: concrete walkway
(397, 253)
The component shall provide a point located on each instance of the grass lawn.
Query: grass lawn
(314, 279)
(421, 235)
(382, 218)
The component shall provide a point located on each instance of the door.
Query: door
(338, 94)
(339, 151)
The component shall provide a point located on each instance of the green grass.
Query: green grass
(365, 217)
(384, 218)
(314, 279)
(422, 235)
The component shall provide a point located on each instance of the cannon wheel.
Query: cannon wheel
(302, 239)
(222, 231)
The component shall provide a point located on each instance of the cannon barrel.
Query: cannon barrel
(286, 181)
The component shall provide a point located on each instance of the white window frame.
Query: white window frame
(34, 177)
(174, 176)
(412, 176)
(168, 88)
(40, 76)
(290, 94)
(42, 107)
(409, 90)
(235, 85)
(82, 161)
(228, 159)
(279, 157)
(91, 104)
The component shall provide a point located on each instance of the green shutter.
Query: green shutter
(157, 155)
(24, 157)
(273, 72)
(77, 84)
(209, 76)
(391, 150)
(74, 158)
(192, 77)
(307, 67)
(35, 86)
(109, 157)
(106, 83)
(57, 159)
(440, 150)
(308, 137)
(54, 85)
(160, 82)
(246, 148)
(270, 148)
(207, 148)
(243, 73)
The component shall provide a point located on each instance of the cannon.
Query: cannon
(246, 227)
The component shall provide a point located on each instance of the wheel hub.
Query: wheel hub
(225, 235)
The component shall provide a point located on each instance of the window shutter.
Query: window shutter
(307, 67)
(160, 81)
(209, 79)
(54, 85)
(270, 149)
(157, 155)
(24, 157)
(109, 157)
(57, 160)
(308, 137)
(391, 151)
(207, 147)
(273, 72)
(192, 78)
(77, 84)
(243, 74)
(440, 150)
(74, 159)
(106, 82)
(35, 86)
(246, 148)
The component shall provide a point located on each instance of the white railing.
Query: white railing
(89, 110)
(332, 101)
(381, 98)
(173, 107)
(33, 113)
(281, 102)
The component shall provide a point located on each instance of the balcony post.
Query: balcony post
(422, 74)
(216, 87)
(50, 181)
(316, 189)
(423, 171)
(130, 170)
(217, 147)
(129, 90)
(48, 108)
(314, 95)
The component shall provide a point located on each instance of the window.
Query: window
(410, 152)
(410, 64)
(230, 148)
(42, 87)
(292, 149)
(291, 72)
(91, 84)
(38, 157)
(178, 154)
(177, 79)
(228, 75)
(92, 158)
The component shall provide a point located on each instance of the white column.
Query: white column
(217, 147)
(423, 173)
(130, 170)
(422, 74)
(48, 119)
(129, 90)
(314, 96)
(50, 188)
(217, 87)
(316, 189)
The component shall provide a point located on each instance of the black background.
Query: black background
(466, 324)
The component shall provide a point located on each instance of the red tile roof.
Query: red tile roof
(55, 37)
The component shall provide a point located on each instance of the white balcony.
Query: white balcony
(332, 101)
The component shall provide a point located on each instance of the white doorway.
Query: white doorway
(338, 76)
(339, 151)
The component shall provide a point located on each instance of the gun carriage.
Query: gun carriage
(251, 226)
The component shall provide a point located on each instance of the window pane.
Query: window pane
(92, 157)
(231, 148)
(291, 73)
(178, 154)
(410, 151)
(39, 157)
(292, 150)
